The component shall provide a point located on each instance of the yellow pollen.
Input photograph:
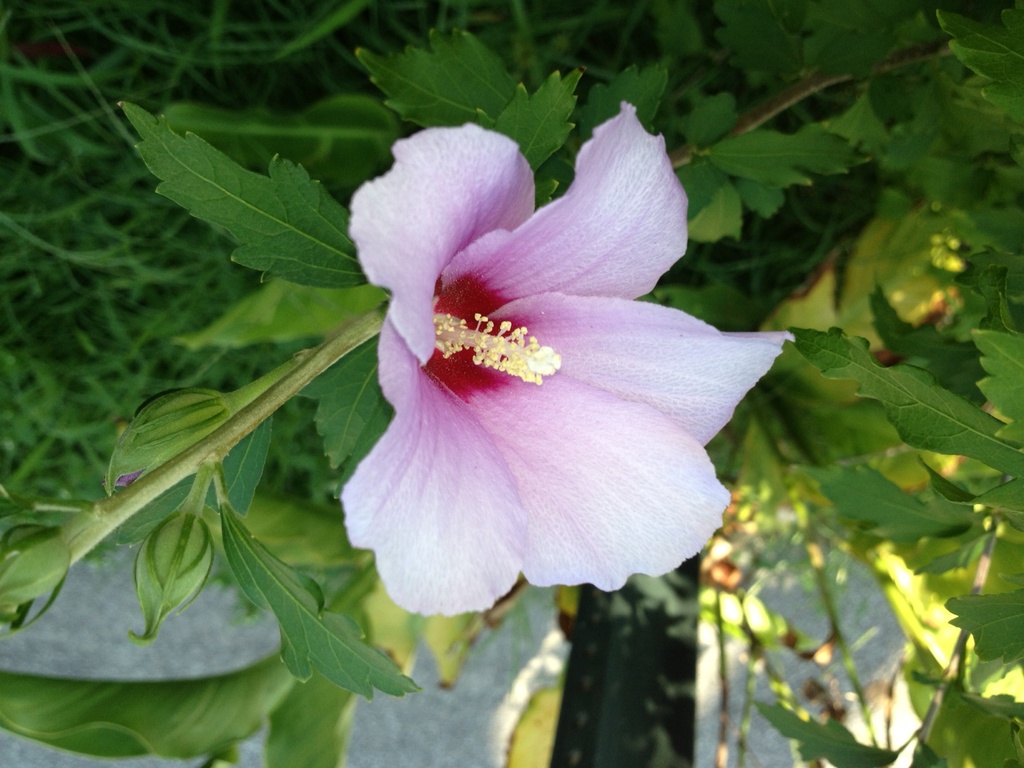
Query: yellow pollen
(508, 350)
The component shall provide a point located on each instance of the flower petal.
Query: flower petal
(640, 351)
(618, 228)
(434, 499)
(448, 187)
(610, 487)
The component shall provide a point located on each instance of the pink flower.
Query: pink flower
(572, 451)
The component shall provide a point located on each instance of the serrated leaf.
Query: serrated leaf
(883, 508)
(838, 50)
(779, 159)
(860, 125)
(925, 415)
(762, 200)
(1002, 705)
(1005, 496)
(954, 363)
(539, 122)
(640, 87)
(352, 413)
(961, 557)
(925, 757)
(701, 180)
(721, 217)
(759, 39)
(310, 637)
(300, 532)
(243, 467)
(829, 740)
(994, 51)
(171, 718)
(710, 119)
(286, 224)
(991, 282)
(1003, 359)
(947, 489)
(446, 85)
(995, 621)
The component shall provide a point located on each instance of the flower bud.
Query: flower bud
(162, 428)
(170, 570)
(33, 561)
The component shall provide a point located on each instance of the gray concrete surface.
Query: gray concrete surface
(467, 727)
(877, 645)
(85, 635)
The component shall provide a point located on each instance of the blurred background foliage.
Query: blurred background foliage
(843, 169)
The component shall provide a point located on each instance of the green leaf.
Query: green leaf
(925, 415)
(829, 740)
(171, 718)
(136, 528)
(1003, 359)
(961, 557)
(720, 304)
(883, 508)
(967, 735)
(243, 467)
(954, 363)
(1002, 705)
(280, 311)
(760, 35)
(447, 85)
(994, 52)
(311, 727)
(991, 282)
(288, 225)
(344, 138)
(640, 87)
(353, 413)
(300, 532)
(540, 122)
(780, 160)
(721, 217)
(845, 52)
(946, 489)
(995, 621)
(762, 200)
(701, 180)
(860, 125)
(1008, 496)
(925, 757)
(710, 119)
(310, 637)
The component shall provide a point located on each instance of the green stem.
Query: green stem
(90, 526)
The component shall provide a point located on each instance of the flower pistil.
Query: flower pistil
(508, 350)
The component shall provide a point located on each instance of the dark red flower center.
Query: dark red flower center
(465, 298)
(473, 351)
